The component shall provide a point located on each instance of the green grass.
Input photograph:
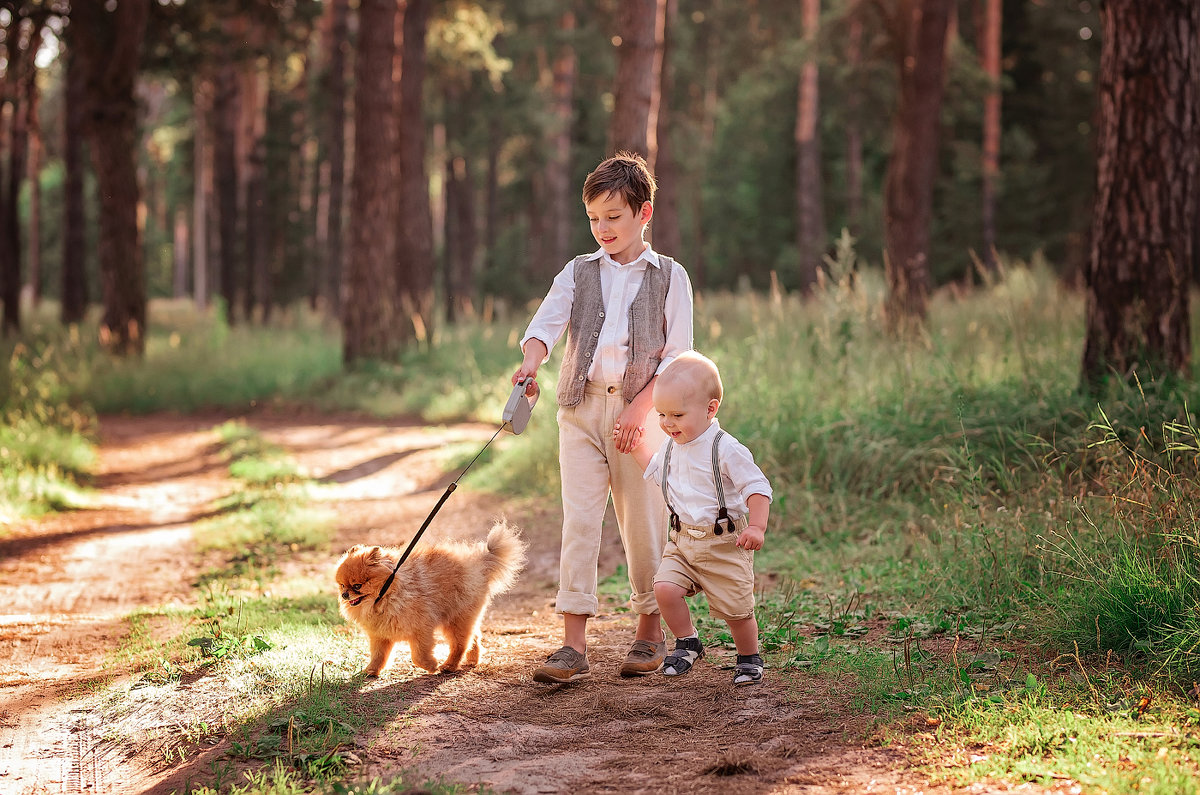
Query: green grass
(954, 484)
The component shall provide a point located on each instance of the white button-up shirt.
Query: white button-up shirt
(691, 491)
(619, 284)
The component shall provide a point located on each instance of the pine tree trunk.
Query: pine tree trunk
(636, 97)
(666, 237)
(333, 132)
(19, 79)
(225, 176)
(989, 57)
(32, 96)
(111, 43)
(462, 240)
(810, 216)
(202, 189)
(854, 139)
(1143, 228)
(369, 318)
(415, 262)
(74, 274)
(560, 202)
(908, 189)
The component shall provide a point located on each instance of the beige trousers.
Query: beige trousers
(592, 468)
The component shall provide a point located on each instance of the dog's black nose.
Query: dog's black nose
(346, 595)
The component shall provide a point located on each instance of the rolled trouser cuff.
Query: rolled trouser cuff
(581, 604)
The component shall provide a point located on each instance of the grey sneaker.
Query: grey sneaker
(565, 665)
(644, 658)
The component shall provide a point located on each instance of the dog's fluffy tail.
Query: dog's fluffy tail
(506, 556)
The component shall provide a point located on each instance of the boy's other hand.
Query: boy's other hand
(752, 538)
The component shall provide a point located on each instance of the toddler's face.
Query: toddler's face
(616, 227)
(683, 411)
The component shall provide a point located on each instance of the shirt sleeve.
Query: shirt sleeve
(654, 468)
(678, 313)
(747, 478)
(552, 317)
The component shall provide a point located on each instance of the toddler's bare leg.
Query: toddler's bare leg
(674, 609)
(745, 634)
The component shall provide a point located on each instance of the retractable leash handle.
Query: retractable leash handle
(514, 419)
(520, 406)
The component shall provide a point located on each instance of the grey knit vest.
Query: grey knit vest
(647, 330)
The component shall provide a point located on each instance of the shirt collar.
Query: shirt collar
(648, 254)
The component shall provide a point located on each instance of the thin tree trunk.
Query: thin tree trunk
(180, 243)
(667, 237)
(810, 216)
(111, 43)
(33, 98)
(636, 98)
(333, 131)
(462, 241)
(369, 316)
(1143, 230)
(989, 56)
(414, 278)
(20, 71)
(202, 189)
(556, 177)
(908, 189)
(225, 176)
(74, 274)
(854, 138)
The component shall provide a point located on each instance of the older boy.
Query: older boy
(719, 502)
(627, 312)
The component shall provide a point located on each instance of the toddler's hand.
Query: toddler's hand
(752, 538)
(632, 440)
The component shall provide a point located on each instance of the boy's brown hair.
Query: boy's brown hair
(626, 174)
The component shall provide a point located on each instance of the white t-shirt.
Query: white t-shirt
(690, 487)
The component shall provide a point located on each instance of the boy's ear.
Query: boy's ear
(712, 407)
(647, 212)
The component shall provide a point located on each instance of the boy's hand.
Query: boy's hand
(535, 353)
(752, 538)
(635, 438)
(627, 432)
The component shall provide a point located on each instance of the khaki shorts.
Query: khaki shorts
(715, 565)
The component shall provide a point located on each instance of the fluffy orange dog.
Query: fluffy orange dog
(446, 586)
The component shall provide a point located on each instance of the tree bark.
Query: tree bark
(810, 215)
(666, 235)
(74, 274)
(639, 61)
(1143, 230)
(202, 189)
(110, 43)
(462, 240)
(557, 176)
(369, 317)
(908, 190)
(333, 132)
(225, 176)
(989, 57)
(32, 97)
(854, 138)
(414, 278)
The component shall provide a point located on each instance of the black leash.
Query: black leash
(449, 490)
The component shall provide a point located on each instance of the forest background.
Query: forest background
(905, 221)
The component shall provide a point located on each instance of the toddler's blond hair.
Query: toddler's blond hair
(697, 371)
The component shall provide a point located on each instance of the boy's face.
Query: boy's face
(683, 411)
(617, 227)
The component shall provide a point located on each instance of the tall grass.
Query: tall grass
(950, 471)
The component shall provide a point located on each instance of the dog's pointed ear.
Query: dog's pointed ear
(354, 549)
(375, 555)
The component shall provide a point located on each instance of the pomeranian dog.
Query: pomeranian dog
(443, 587)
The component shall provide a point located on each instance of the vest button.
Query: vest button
(595, 333)
(601, 314)
(580, 378)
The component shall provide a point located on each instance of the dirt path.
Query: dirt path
(66, 584)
